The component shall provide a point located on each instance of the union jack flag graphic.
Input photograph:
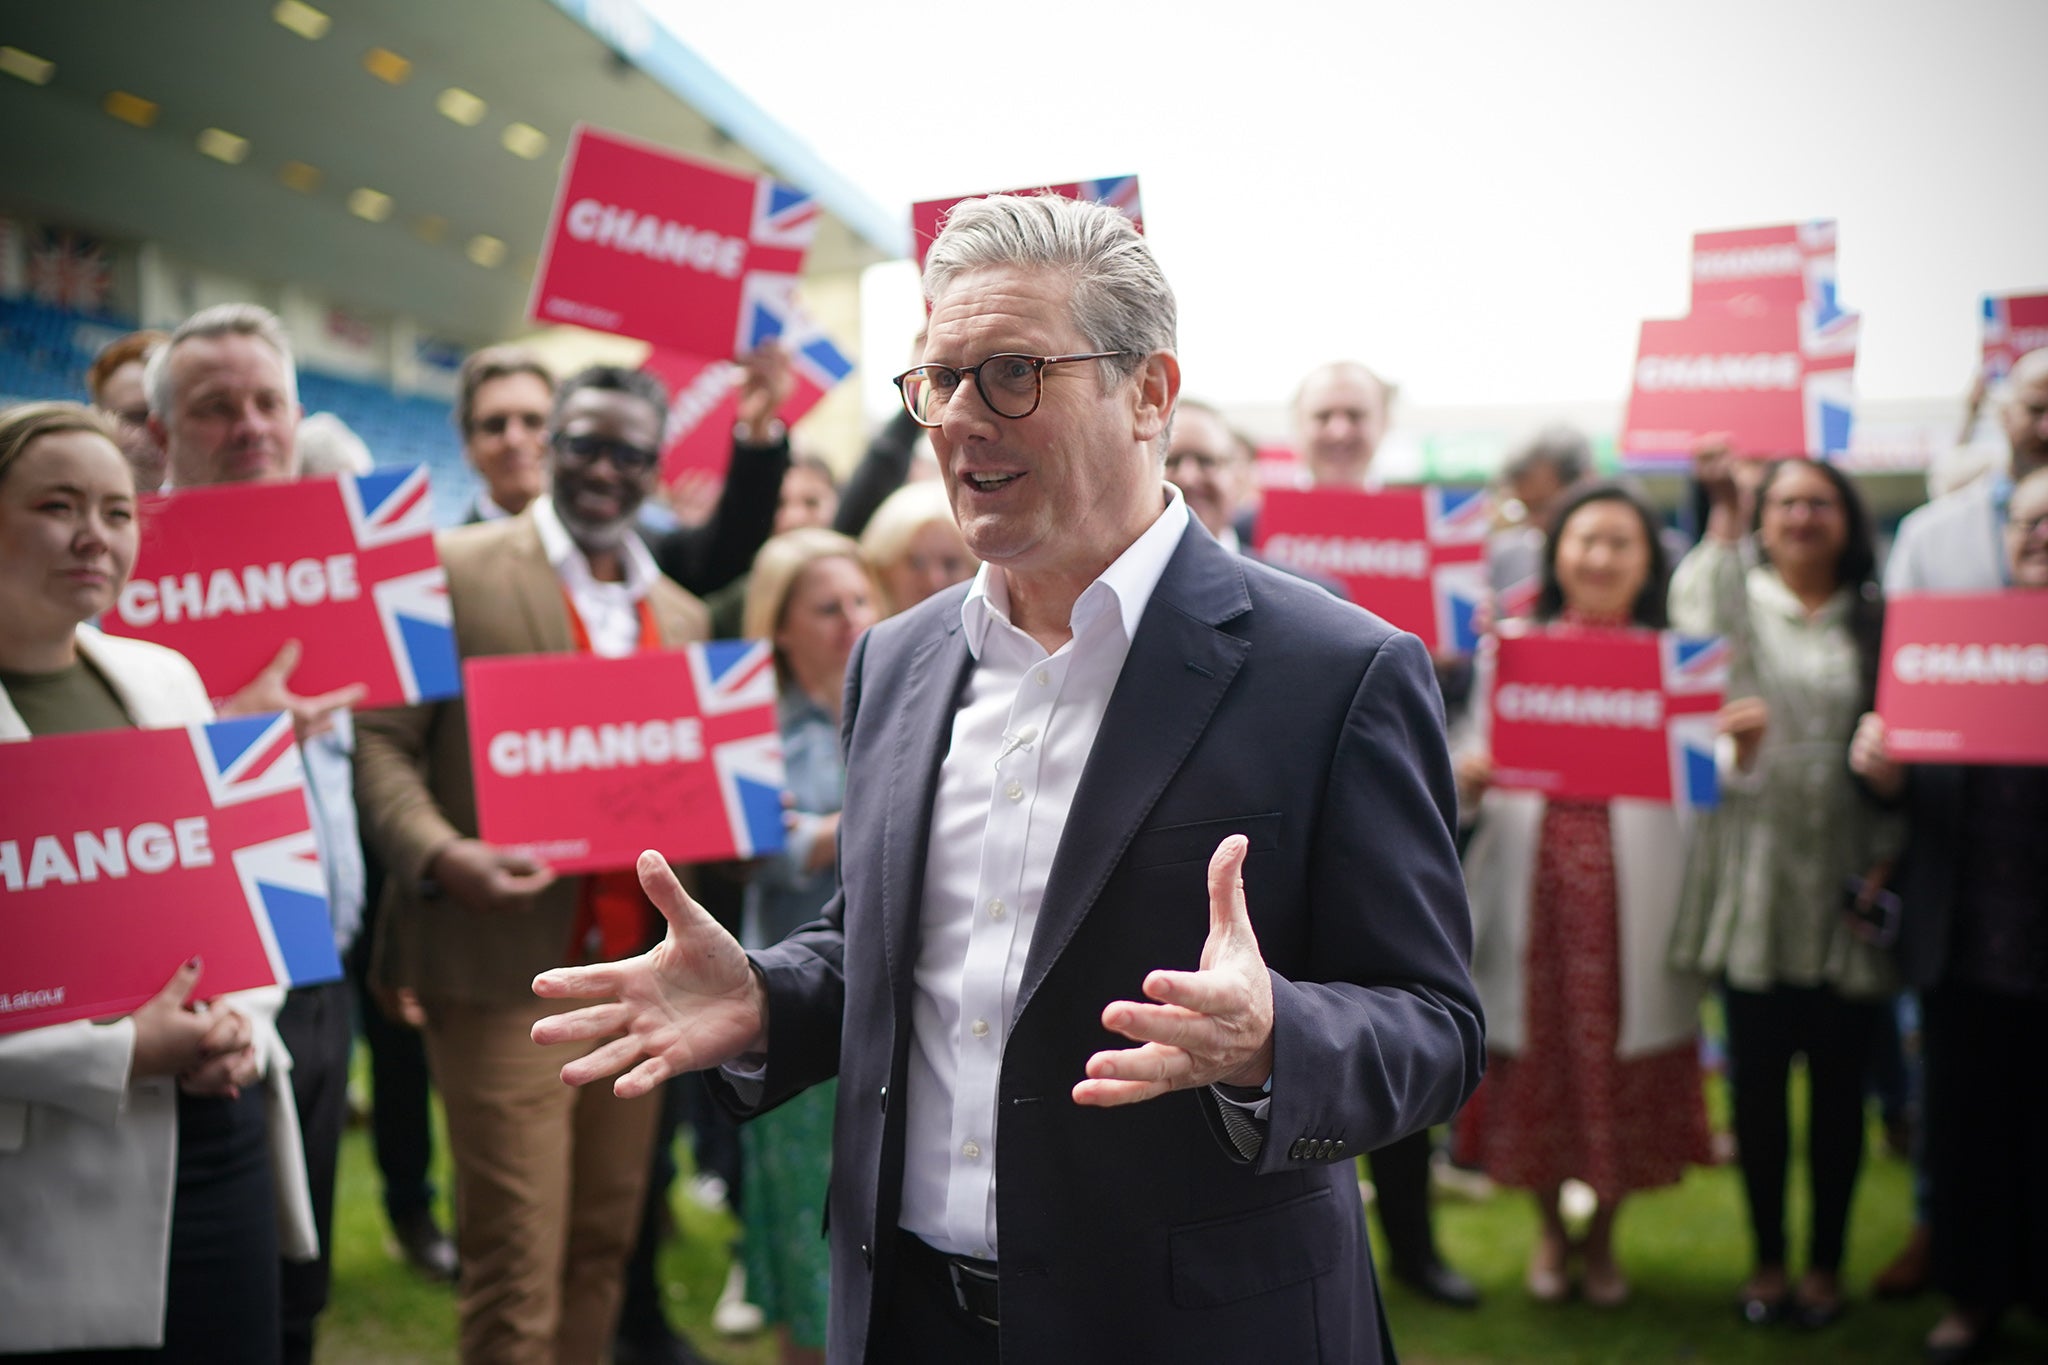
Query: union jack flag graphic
(67, 269)
(392, 507)
(250, 758)
(1120, 192)
(247, 757)
(733, 677)
(768, 308)
(784, 216)
(284, 878)
(1457, 521)
(1695, 674)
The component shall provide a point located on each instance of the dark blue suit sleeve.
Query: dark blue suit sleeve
(1390, 1039)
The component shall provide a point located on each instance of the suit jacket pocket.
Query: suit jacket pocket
(1227, 1259)
(1197, 842)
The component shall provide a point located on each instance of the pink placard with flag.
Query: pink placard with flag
(1120, 192)
(1766, 359)
(686, 254)
(345, 565)
(1415, 556)
(1785, 265)
(2014, 324)
(125, 852)
(1964, 677)
(1598, 714)
(583, 762)
(705, 397)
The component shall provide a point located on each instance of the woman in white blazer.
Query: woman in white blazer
(150, 1166)
(1593, 1073)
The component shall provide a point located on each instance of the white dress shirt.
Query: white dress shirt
(610, 611)
(1020, 740)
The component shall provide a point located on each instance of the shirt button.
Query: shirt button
(1015, 790)
(1044, 678)
(970, 1149)
(980, 1028)
(996, 908)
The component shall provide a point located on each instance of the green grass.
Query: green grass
(1685, 1250)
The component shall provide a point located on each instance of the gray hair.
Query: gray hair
(226, 319)
(1122, 301)
(326, 445)
(1560, 448)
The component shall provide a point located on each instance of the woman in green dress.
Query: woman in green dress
(1762, 908)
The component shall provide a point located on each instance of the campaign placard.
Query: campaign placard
(123, 853)
(1784, 265)
(1763, 378)
(345, 565)
(648, 243)
(583, 762)
(705, 397)
(1415, 556)
(1765, 360)
(1120, 192)
(1964, 677)
(2014, 324)
(1597, 714)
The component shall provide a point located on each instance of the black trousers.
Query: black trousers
(1987, 1146)
(918, 1323)
(315, 1025)
(1766, 1030)
(401, 1122)
(1400, 1182)
(220, 1297)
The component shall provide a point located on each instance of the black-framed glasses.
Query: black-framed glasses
(1011, 385)
(589, 447)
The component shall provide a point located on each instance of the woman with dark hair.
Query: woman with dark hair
(1763, 901)
(1592, 1074)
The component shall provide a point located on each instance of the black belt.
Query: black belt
(972, 1280)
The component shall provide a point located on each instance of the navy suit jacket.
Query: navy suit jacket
(1249, 703)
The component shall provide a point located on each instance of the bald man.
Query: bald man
(1340, 418)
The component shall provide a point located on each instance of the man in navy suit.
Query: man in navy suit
(1150, 919)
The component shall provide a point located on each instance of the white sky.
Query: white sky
(1480, 200)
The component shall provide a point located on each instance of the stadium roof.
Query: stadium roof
(370, 150)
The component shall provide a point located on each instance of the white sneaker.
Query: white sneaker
(733, 1316)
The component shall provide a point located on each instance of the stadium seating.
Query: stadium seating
(44, 353)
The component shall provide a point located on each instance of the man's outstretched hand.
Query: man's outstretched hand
(690, 1002)
(1213, 1025)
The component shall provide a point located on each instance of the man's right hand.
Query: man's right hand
(691, 1002)
(477, 876)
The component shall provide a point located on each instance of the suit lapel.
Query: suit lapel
(537, 588)
(920, 736)
(1176, 673)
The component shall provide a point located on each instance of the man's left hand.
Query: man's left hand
(1210, 1026)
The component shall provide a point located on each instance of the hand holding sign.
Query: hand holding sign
(1210, 1026)
(478, 876)
(1870, 758)
(1744, 720)
(270, 691)
(169, 1038)
(691, 1002)
(230, 1063)
(765, 385)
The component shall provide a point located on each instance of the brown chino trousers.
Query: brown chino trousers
(548, 1187)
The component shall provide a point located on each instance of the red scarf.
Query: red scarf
(614, 918)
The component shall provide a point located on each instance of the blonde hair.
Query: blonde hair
(901, 516)
(777, 568)
(21, 427)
